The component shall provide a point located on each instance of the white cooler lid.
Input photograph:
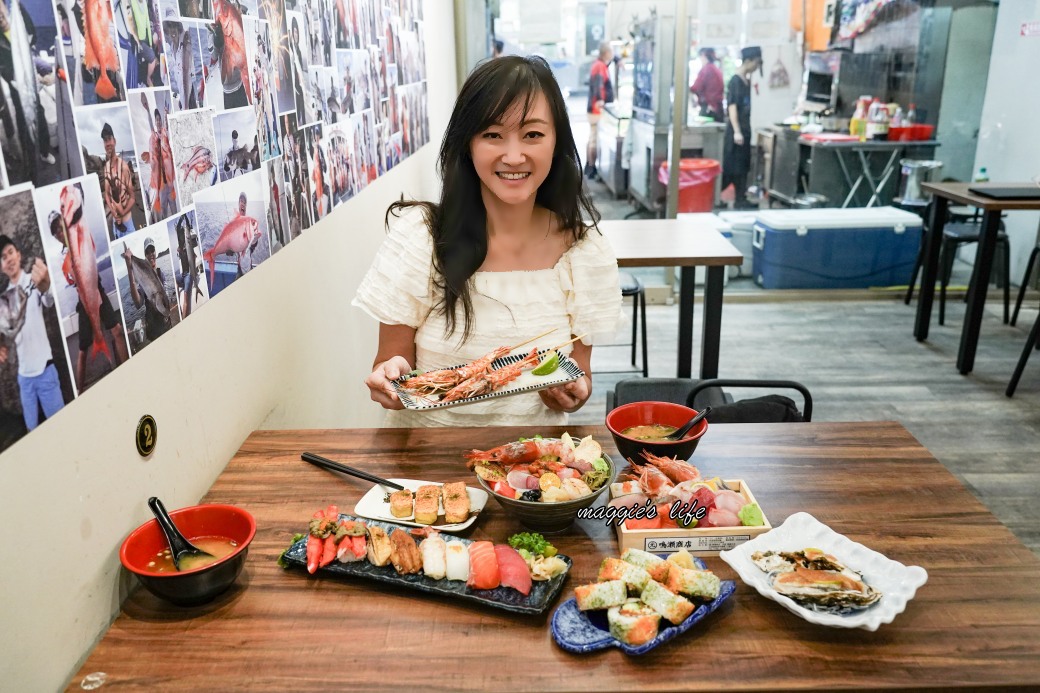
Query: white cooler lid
(741, 221)
(848, 218)
(706, 218)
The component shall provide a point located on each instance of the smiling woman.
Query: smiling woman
(511, 250)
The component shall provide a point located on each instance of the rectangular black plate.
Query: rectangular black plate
(543, 593)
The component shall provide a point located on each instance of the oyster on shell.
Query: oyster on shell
(816, 580)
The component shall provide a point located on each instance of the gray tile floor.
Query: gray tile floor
(856, 352)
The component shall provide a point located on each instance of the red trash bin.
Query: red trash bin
(696, 183)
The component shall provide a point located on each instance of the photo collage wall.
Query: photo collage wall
(154, 151)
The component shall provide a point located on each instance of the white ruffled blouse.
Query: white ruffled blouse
(580, 295)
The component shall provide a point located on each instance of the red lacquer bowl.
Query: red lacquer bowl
(644, 413)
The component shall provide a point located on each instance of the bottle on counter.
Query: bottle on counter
(897, 118)
(858, 123)
(982, 176)
(911, 116)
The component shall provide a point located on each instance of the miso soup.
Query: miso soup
(649, 431)
(218, 546)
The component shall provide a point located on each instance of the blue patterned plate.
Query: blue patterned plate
(587, 631)
(543, 593)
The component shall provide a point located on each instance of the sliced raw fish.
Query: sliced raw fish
(521, 481)
(729, 500)
(483, 566)
(457, 557)
(433, 557)
(568, 473)
(722, 518)
(513, 569)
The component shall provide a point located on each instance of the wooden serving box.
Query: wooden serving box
(708, 541)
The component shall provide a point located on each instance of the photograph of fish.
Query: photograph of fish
(340, 142)
(192, 290)
(342, 12)
(28, 92)
(281, 55)
(232, 224)
(357, 90)
(140, 43)
(35, 380)
(108, 150)
(277, 214)
(149, 112)
(323, 80)
(93, 64)
(367, 10)
(191, 138)
(212, 91)
(258, 50)
(317, 171)
(409, 60)
(365, 142)
(184, 61)
(195, 9)
(227, 37)
(296, 178)
(71, 217)
(143, 265)
(237, 142)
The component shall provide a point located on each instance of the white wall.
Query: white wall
(1009, 146)
(280, 348)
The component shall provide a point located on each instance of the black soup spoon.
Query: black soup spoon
(180, 548)
(678, 435)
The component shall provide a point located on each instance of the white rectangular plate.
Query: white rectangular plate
(897, 583)
(375, 505)
(527, 382)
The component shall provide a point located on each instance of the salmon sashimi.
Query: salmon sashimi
(100, 51)
(483, 566)
(83, 255)
(513, 569)
(236, 237)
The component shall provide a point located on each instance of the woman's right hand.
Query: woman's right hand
(378, 381)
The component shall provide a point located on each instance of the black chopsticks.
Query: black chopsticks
(337, 467)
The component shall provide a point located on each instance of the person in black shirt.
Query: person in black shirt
(736, 151)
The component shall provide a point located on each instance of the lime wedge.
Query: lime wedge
(548, 365)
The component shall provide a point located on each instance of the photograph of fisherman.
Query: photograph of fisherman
(277, 220)
(297, 59)
(318, 170)
(108, 151)
(261, 78)
(191, 281)
(196, 9)
(232, 227)
(28, 118)
(212, 87)
(156, 170)
(33, 368)
(510, 251)
(194, 151)
(237, 142)
(184, 61)
(93, 67)
(73, 214)
(146, 287)
(140, 45)
(228, 57)
(736, 148)
(281, 55)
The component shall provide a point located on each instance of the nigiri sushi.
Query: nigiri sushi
(483, 566)
(433, 558)
(352, 545)
(457, 558)
(513, 569)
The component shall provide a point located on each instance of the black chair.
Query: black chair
(1032, 341)
(1025, 282)
(631, 286)
(954, 236)
(698, 394)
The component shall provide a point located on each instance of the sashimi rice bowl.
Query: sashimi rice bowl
(543, 482)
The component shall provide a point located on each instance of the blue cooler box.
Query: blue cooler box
(834, 248)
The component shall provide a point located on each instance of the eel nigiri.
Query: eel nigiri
(433, 558)
(513, 569)
(483, 566)
(457, 560)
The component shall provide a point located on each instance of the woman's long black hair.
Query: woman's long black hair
(458, 223)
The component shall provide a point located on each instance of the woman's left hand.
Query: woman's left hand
(568, 397)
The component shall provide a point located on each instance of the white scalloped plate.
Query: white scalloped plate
(898, 583)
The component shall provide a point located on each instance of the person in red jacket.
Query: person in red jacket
(709, 86)
(601, 92)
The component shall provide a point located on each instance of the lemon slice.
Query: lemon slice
(548, 365)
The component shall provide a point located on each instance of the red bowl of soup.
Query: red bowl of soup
(638, 426)
(222, 530)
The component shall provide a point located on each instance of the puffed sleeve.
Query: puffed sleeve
(592, 287)
(396, 289)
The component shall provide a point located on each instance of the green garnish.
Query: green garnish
(281, 557)
(533, 542)
(600, 465)
(595, 478)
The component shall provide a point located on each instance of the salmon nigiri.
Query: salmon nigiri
(483, 566)
(513, 569)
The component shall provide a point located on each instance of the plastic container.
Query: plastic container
(914, 172)
(911, 133)
(696, 183)
(835, 248)
(741, 226)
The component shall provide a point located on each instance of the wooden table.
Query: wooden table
(975, 623)
(686, 244)
(944, 193)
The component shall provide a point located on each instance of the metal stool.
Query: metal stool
(957, 234)
(1025, 283)
(631, 286)
(1032, 341)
